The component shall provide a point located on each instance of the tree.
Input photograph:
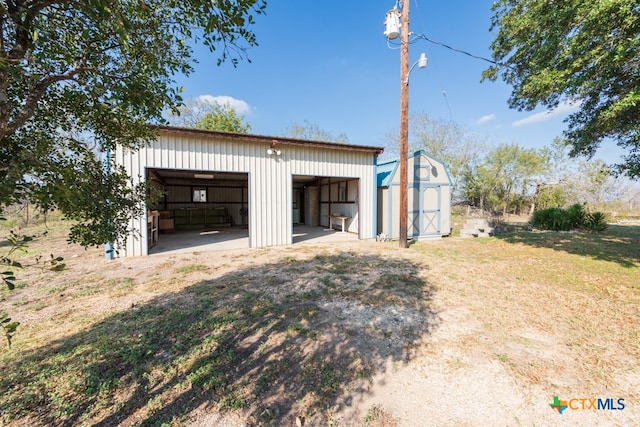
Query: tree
(568, 182)
(98, 71)
(448, 142)
(554, 188)
(504, 179)
(190, 112)
(580, 51)
(224, 118)
(595, 186)
(78, 79)
(193, 110)
(313, 132)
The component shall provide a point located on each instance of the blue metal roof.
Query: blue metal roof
(385, 172)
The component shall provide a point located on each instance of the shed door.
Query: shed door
(424, 211)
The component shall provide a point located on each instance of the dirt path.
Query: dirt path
(490, 361)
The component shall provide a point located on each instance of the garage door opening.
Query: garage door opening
(324, 207)
(197, 210)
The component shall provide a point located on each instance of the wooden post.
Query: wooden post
(404, 120)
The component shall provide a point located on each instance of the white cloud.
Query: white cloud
(239, 105)
(563, 108)
(485, 119)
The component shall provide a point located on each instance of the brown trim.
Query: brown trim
(271, 140)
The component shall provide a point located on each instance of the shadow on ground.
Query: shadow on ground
(619, 244)
(270, 343)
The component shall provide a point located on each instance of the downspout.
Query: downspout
(329, 194)
(109, 252)
(374, 229)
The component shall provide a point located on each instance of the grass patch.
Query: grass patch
(617, 245)
(191, 268)
(559, 290)
(377, 416)
(119, 287)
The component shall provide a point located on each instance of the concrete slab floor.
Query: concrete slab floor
(237, 238)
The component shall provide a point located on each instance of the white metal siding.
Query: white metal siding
(269, 179)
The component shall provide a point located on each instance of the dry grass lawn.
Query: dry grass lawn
(454, 332)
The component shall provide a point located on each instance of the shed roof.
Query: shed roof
(272, 140)
(386, 171)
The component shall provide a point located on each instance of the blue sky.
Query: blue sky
(328, 63)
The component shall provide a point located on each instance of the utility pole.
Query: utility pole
(404, 121)
(392, 30)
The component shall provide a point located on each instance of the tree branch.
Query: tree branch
(31, 101)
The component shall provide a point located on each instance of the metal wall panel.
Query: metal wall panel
(269, 179)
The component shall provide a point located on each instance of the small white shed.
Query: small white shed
(428, 198)
(259, 183)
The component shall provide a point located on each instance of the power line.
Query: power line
(417, 37)
(423, 37)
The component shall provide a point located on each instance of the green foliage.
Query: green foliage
(97, 71)
(571, 181)
(503, 180)
(19, 244)
(575, 217)
(577, 51)
(544, 218)
(557, 219)
(596, 222)
(552, 195)
(16, 244)
(8, 277)
(446, 141)
(8, 327)
(223, 118)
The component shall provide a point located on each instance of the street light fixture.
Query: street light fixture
(391, 33)
(421, 63)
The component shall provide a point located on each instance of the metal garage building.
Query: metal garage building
(428, 198)
(264, 184)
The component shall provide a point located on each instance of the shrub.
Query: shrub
(575, 217)
(596, 222)
(549, 219)
(558, 219)
(542, 218)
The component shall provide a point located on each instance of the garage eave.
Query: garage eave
(270, 140)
